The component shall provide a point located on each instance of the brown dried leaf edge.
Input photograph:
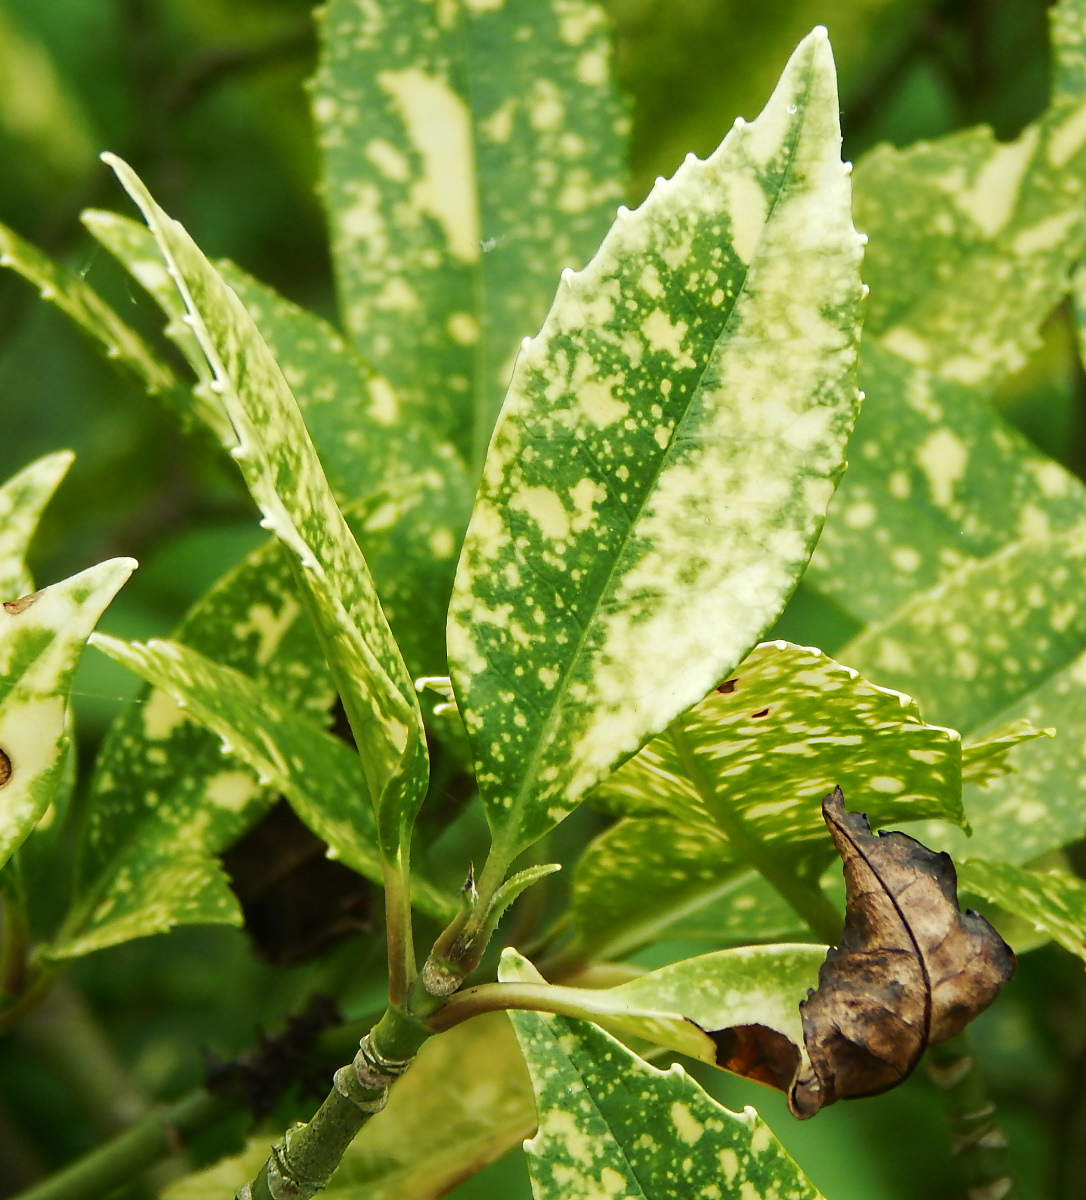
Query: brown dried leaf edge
(911, 969)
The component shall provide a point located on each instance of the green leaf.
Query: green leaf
(284, 475)
(319, 775)
(972, 244)
(117, 340)
(935, 479)
(470, 153)
(652, 879)
(41, 642)
(663, 462)
(22, 499)
(1053, 902)
(160, 779)
(406, 494)
(785, 729)
(611, 1125)
(466, 1101)
(987, 759)
(135, 248)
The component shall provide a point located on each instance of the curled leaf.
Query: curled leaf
(911, 968)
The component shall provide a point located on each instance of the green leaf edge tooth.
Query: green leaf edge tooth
(397, 717)
(816, 46)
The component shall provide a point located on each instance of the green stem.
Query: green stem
(808, 900)
(155, 1137)
(976, 1140)
(305, 1160)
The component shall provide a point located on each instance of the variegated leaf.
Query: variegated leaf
(663, 461)
(22, 499)
(972, 243)
(611, 1125)
(471, 152)
(320, 775)
(987, 759)
(653, 879)
(41, 641)
(1003, 641)
(765, 747)
(284, 475)
(162, 785)
(935, 479)
(118, 341)
(406, 494)
(1052, 902)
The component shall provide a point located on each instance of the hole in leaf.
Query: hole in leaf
(5, 768)
(763, 713)
(727, 687)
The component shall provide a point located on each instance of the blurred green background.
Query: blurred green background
(206, 99)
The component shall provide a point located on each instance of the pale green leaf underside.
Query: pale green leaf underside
(285, 477)
(664, 459)
(41, 642)
(1053, 902)
(470, 153)
(466, 1101)
(160, 778)
(611, 1125)
(793, 725)
(22, 499)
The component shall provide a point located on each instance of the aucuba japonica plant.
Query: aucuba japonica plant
(577, 539)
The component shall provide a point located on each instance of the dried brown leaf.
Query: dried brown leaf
(911, 968)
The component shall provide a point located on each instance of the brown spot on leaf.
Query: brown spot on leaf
(757, 1052)
(5, 768)
(15, 607)
(911, 968)
(727, 687)
(762, 713)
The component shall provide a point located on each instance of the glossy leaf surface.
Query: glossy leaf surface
(610, 1124)
(663, 460)
(471, 152)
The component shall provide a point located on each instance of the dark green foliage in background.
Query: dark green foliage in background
(205, 98)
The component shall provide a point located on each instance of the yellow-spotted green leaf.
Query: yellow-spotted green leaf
(663, 461)
(1003, 642)
(162, 785)
(972, 244)
(611, 1125)
(120, 343)
(471, 152)
(406, 493)
(1052, 902)
(935, 479)
(285, 477)
(319, 775)
(41, 641)
(651, 879)
(754, 759)
(985, 760)
(22, 499)
(466, 1101)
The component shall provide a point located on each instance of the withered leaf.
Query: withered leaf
(911, 968)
